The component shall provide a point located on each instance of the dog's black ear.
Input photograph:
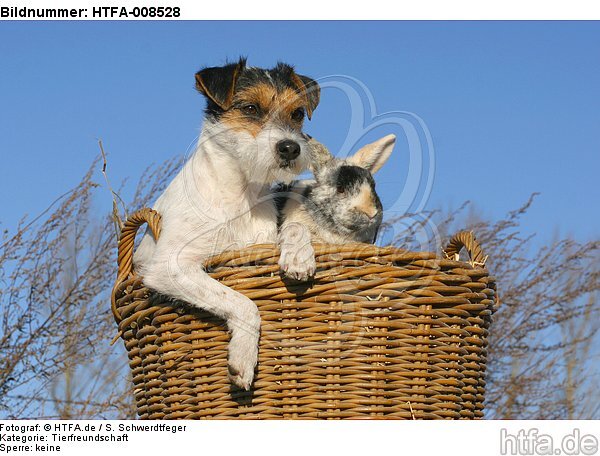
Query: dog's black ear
(218, 83)
(312, 91)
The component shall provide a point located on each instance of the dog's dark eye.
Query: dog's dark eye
(250, 110)
(298, 115)
(340, 189)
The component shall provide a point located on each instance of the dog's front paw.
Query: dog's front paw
(241, 375)
(243, 355)
(298, 264)
(297, 258)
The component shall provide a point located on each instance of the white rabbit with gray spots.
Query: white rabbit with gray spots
(339, 206)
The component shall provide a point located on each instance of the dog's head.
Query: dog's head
(258, 114)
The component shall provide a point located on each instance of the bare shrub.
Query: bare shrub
(543, 347)
(57, 271)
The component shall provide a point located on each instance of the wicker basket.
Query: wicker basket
(382, 333)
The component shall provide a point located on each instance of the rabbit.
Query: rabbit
(339, 206)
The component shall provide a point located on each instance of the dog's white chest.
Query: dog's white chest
(256, 226)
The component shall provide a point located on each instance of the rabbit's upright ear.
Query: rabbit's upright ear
(319, 155)
(373, 156)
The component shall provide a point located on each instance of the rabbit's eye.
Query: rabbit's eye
(250, 109)
(340, 189)
(298, 115)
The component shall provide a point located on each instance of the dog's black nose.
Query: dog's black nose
(288, 149)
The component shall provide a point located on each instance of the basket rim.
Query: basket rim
(256, 252)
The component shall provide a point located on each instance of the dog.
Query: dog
(222, 200)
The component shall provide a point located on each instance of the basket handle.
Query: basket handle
(467, 240)
(125, 249)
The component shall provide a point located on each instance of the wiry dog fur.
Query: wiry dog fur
(221, 199)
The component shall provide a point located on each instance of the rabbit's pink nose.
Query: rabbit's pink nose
(372, 213)
(365, 202)
(369, 210)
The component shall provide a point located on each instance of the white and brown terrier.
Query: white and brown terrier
(221, 199)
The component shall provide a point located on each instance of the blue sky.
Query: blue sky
(512, 107)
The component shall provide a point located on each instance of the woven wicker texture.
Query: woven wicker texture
(381, 333)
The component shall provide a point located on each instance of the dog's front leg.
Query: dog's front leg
(297, 257)
(190, 283)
